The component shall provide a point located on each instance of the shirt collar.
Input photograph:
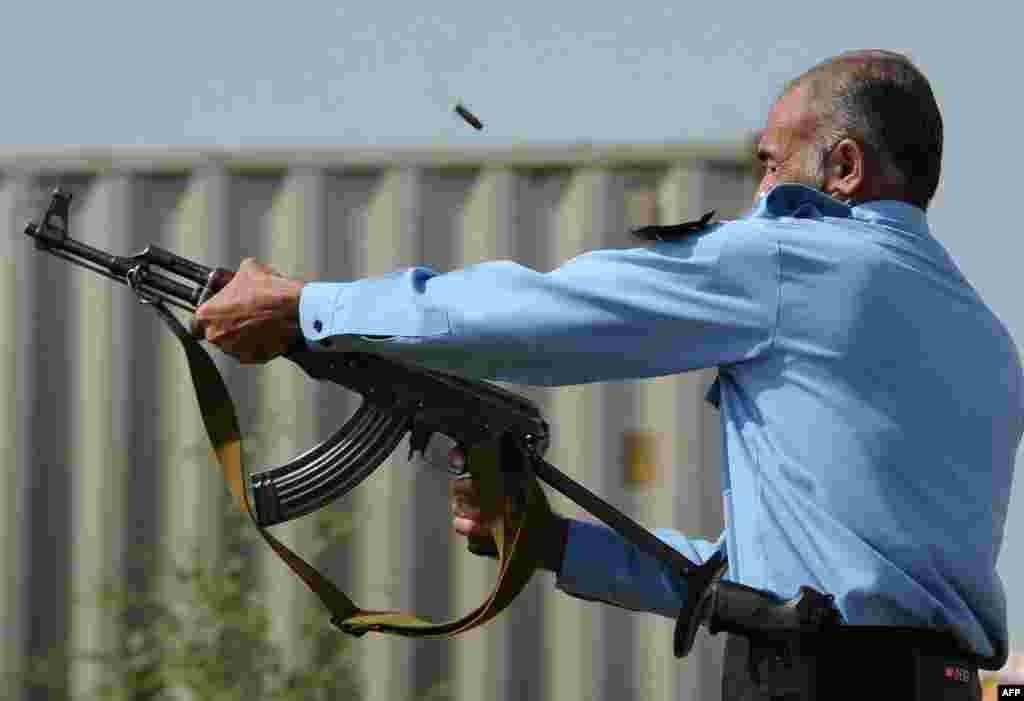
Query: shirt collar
(895, 214)
(792, 200)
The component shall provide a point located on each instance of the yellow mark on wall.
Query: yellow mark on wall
(640, 456)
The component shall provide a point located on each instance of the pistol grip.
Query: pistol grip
(486, 460)
(484, 547)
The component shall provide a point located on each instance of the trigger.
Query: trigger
(418, 441)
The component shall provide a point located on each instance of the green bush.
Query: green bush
(212, 637)
(208, 632)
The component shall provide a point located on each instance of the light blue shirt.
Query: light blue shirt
(871, 404)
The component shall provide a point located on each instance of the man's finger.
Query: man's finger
(469, 527)
(256, 358)
(251, 265)
(466, 489)
(466, 508)
(197, 328)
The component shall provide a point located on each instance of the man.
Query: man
(871, 404)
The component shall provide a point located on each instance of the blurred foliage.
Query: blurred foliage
(211, 637)
(201, 625)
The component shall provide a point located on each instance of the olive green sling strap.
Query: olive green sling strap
(516, 535)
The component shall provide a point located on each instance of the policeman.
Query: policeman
(871, 403)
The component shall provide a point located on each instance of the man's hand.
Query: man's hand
(468, 518)
(255, 317)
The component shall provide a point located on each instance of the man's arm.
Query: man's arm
(607, 315)
(591, 561)
(594, 563)
(600, 565)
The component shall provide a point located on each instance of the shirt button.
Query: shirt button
(318, 326)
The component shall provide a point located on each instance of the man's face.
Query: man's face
(787, 149)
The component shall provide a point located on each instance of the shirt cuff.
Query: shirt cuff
(317, 308)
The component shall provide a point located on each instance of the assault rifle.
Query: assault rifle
(399, 398)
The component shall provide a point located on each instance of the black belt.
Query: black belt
(851, 662)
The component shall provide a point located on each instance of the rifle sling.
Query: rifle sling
(517, 535)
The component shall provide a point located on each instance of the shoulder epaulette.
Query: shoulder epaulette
(669, 232)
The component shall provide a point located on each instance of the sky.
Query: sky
(385, 73)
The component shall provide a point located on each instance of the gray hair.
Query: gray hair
(882, 101)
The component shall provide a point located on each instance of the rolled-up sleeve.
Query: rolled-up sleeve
(708, 300)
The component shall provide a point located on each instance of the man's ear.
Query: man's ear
(846, 170)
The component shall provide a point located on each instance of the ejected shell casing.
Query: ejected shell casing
(468, 116)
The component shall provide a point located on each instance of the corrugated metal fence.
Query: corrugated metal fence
(103, 445)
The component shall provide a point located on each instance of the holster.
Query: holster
(801, 649)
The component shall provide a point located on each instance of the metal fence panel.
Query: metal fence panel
(106, 456)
